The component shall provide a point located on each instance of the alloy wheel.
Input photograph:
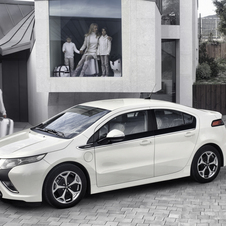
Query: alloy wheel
(207, 164)
(66, 187)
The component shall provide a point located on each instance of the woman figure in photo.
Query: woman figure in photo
(90, 47)
(104, 49)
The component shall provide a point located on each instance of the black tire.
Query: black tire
(206, 164)
(65, 186)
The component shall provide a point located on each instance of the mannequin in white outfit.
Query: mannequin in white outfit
(69, 48)
(90, 47)
(104, 49)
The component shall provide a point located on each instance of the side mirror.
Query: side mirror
(115, 135)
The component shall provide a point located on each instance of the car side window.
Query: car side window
(132, 124)
(129, 123)
(173, 119)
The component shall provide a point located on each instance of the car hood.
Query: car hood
(29, 143)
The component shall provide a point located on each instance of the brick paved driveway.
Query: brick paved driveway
(178, 202)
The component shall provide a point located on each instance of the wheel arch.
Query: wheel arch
(76, 164)
(218, 149)
(194, 174)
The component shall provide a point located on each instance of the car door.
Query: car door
(128, 159)
(175, 139)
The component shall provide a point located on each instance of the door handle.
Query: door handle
(145, 142)
(189, 134)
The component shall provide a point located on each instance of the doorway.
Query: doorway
(14, 85)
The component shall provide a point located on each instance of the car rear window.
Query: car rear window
(172, 119)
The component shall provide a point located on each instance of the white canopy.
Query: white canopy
(16, 26)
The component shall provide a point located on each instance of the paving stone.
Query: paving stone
(181, 202)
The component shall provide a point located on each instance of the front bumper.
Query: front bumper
(27, 180)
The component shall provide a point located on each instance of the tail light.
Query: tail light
(218, 122)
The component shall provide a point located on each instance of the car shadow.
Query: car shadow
(151, 190)
(142, 190)
(115, 194)
(24, 205)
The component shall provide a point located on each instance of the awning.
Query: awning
(20, 29)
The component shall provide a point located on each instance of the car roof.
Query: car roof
(113, 104)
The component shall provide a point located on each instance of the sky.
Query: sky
(206, 7)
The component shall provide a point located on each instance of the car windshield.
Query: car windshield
(71, 122)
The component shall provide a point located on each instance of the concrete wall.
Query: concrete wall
(58, 102)
(141, 52)
(141, 23)
(186, 49)
(158, 52)
(195, 38)
(37, 101)
(141, 46)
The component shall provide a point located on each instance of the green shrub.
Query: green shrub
(221, 64)
(213, 67)
(203, 71)
(204, 58)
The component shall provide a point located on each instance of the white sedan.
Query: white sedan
(110, 144)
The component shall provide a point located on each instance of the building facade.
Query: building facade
(154, 49)
(17, 19)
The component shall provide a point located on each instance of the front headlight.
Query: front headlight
(10, 163)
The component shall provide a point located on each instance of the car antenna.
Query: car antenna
(149, 97)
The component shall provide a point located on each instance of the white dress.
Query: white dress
(90, 44)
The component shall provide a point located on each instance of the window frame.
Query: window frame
(152, 129)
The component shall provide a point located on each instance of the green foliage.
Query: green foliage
(221, 12)
(204, 58)
(213, 67)
(203, 53)
(221, 62)
(203, 71)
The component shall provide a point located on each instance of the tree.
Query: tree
(221, 12)
(204, 58)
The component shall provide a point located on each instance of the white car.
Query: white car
(110, 144)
